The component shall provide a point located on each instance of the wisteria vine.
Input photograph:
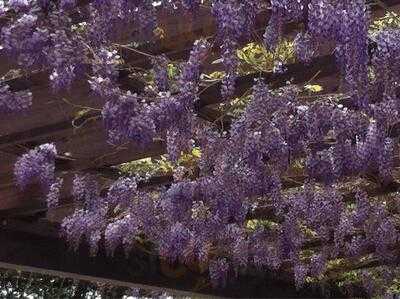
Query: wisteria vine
(243, 169)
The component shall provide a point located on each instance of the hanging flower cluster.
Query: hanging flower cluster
(242, 171)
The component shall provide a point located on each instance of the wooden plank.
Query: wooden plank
(90, 152)
(91, 144)
(15, 202)
(48, 117)
(323, 66)
(267, 211)
(51, 254)
(50, 110)
(89, 149)
(89, 141)
(85, 148)
(112, 282)
(178, 34)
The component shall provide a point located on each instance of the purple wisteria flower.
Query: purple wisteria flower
(14, 102)
(38, 165)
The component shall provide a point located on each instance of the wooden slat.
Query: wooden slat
(99, 280)
(48, 108)
(50, 111)
(50, 117)
(46, 117)
(86, 149)
(49, 253)
(323, 66)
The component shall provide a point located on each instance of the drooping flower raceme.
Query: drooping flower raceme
(53, 195)
(160, 67)
(244, 169)
(38, 165)
(14, 102)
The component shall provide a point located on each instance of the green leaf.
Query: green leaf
(214, 76)
(314, 88)
(172, 71)
(196, 152)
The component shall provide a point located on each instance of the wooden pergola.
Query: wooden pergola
(29, 237)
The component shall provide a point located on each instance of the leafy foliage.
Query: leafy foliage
(255, 57)
(149, 167)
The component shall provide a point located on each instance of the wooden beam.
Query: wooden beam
(48, 254)
(49, 112)
(89, 142)
(49, 116)
(267, 211)
(83, 149)
(111, 282)
(86, 149)
(323, 66)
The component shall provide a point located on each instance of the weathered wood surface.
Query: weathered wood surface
(105, 281)
(83, 148)
(49, 109)
(36, 127)
(50, 119)
(50, 113)
(23, 246)
(35, 243)
(85, 158)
